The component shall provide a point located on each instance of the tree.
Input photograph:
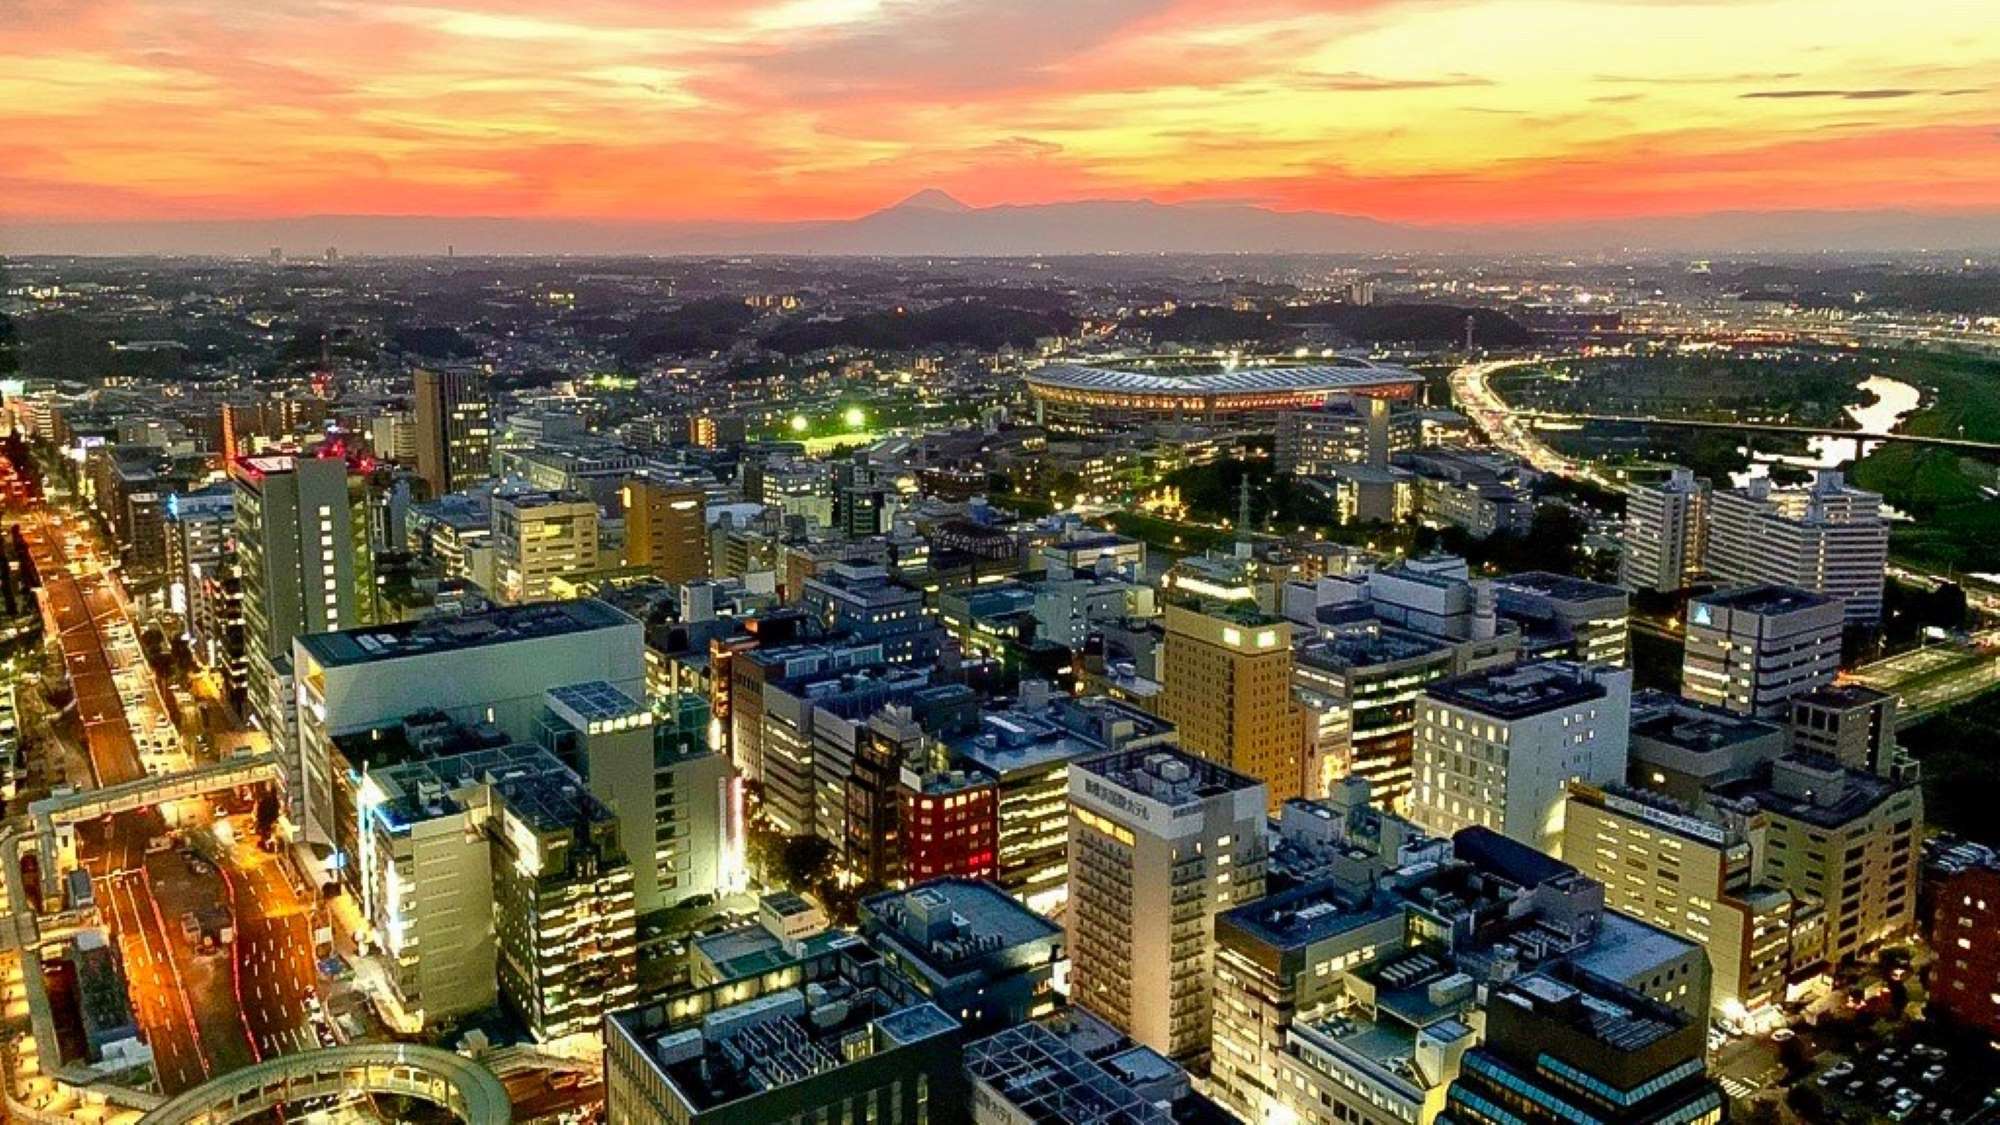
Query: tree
(804, 862)
(1806, 1101)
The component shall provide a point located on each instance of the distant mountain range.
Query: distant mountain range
(932, 223)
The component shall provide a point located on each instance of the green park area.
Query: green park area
(1954, 514)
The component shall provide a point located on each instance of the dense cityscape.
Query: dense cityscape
(1090, 690)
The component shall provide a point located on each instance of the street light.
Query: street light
(855, 417)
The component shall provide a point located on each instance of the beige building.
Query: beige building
(1159, 844)
(1227, 673)
(1663, 863)
(1848, 838)
(536, 536)
(666, 529)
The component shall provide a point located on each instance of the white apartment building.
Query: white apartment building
(1828, 538)
(1666, 534)
(539, 536)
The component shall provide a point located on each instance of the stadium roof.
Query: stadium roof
(1182, 378)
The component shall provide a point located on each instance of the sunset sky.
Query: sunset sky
(1437, 111)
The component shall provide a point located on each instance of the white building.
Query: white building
(1498, 748)
(1752, 649)
(494, 667)
(1666, 534)
(1827, 538)
(1160, 842)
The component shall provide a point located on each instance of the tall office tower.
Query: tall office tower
(666, 529)
(1227, 674)
(493, 668)
(679, 805)
(1363, 684)
(454, 429)
(302, 555)
(1829, 538)
(1497, 748)
(1852, 724)
(1666, 534)
(539, 536)
(1564, 1045)
(1659, 859)
(1751, 650)
(1160, 842)
(203, 586)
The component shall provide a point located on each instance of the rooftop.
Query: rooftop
(1561, 587)
(1520, 691)
(1169, 776)
(1765, 600)
(1365, 647)
(494, 626)
(949, 925)
(1048, 1080)
(782, 1039)
(1625, 948)
(1669, 719)
(1303, 915)
(1615, 1017)
(1813, 789)
(596, 701)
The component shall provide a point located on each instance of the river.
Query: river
(1894, 401)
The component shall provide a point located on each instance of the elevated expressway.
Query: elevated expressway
(452, 1082)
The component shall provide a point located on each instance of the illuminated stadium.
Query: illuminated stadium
(1101, 396)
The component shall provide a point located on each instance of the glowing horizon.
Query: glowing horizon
(1425, 111)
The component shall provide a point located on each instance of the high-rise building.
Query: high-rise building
(678, 803)
(1278, 957)
(1362, 686)
(666, 529)
(1343, 432)
(1497, 748)
(1566, 618)
(393, 436)
(1692, 875)
(539, 536)
(1829, 538)
(1750, 650)
(302, 555)
(203, 586)
(454, 429)
(863, 601)
(493, 874)
(1227, 688)
(493, 668)
(1566, 1045)
(969, 948)
(1159, 843)
(1666, 534)
(1030, 750)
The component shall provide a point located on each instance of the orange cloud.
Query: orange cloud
(1420, 110)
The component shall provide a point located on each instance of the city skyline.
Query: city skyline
(1433, 114)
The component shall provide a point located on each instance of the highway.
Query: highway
(205, 1007)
